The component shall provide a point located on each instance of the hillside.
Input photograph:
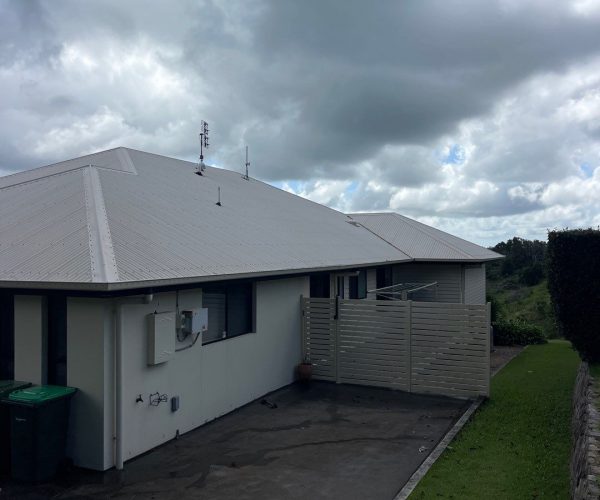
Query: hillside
(517, 285)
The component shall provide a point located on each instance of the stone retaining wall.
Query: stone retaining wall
(585, 428)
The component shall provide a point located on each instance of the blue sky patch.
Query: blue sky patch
(587, 169)
(456, 155)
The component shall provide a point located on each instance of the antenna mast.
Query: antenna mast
(203, 145)
(247, 165)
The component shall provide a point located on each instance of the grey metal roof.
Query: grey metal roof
(124, 218)
(421, 242)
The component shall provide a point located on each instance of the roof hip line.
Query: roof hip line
(102, 255)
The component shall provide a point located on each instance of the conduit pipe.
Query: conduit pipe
(118, 309)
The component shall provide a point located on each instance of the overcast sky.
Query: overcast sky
(481, 118)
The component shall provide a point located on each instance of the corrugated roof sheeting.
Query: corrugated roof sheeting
(43, 230)
(124, 216)
(163, 223)
(168, 225)
(422, 242)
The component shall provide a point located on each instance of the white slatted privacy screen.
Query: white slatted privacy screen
(423, 347)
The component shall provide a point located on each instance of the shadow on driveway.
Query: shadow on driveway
(323, 441)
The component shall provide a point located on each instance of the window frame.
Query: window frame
(224, 288)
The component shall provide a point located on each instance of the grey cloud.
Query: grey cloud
(402, 73)
(319, 90)
(25, 35)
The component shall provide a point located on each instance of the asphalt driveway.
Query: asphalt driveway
(325, 441)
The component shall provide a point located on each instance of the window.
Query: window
(384, 278)
(230, 311)
(358, 285)
(57, 340)
(7, 336)
(319, 286)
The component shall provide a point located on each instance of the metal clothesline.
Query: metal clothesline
(400, 291)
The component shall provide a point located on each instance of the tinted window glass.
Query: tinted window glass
(57, 340)
(358, 285)
(319, 286)
(239, 309)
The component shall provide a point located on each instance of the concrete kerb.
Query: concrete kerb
(438, 450)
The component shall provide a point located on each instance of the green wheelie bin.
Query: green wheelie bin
(6, 387)
(39, 419)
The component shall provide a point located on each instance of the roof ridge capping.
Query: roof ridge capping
(102, 254)
(121, 162)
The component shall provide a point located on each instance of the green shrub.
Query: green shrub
(574, 285)
(497, 308)
(517, 332)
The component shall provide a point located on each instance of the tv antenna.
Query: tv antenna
(247, 165)
(203, 145)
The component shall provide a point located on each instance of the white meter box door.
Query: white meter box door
(161, 337)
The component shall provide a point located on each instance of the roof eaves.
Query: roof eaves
(466, 260)
(132, 285)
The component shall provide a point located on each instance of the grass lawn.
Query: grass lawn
(518, 443)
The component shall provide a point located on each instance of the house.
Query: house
(170, 298)
(455, 265)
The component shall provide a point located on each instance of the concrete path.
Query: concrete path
(326, 441)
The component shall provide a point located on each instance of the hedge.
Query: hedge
(574, 285)
(517, 332)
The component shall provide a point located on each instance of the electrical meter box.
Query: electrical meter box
(161, 337)
(194, 321)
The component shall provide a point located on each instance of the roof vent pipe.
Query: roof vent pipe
(247, 165)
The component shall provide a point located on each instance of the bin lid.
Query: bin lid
(8, 386)
(38, 394)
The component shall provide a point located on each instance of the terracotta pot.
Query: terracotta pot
(305, 372)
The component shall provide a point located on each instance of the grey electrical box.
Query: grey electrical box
(161, 337)
(175, 403)
(194, 321)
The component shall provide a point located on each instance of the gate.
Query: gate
(424, 347)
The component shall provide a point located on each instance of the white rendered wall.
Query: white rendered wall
(210, 380)
(30, 339)
(88, 328)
